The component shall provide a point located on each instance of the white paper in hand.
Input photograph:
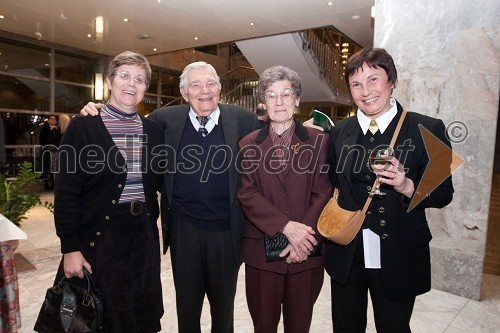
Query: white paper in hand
(371, 246)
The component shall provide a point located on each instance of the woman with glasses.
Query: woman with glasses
(106, 204)
(283, 191)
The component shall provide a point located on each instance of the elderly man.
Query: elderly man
(201, 216)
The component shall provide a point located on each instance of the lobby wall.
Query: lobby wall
(447, 56)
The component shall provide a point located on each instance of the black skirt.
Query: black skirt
(126, 270)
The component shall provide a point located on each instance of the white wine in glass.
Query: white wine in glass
(379, 160)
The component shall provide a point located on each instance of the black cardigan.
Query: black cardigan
(92, 177)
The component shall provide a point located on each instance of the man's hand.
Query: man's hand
(309, 123)
(91, 109)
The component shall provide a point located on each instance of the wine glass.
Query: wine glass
(379, 161)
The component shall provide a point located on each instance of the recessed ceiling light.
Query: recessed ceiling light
(330, 3)
(251, 23)
(155, 49)
(63, 17)
(89, 35)
(195, 38)
(1, 16)
(125, 19)
(355, 17)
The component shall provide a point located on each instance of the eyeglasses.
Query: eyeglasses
(125, 77)
(286, 96)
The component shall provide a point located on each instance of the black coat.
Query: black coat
(236, 123)
(86, 188)
(404, 236)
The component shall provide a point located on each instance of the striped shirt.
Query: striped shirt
(126, 131)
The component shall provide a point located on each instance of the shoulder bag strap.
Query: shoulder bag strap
(393, 141)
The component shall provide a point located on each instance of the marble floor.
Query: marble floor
(435, 312)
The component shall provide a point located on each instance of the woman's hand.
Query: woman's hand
(74, 263)
(301, 238)
(91, 109)
(394, 174)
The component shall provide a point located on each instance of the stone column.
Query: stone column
(447, 56)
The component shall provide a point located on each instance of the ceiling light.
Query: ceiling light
(63, 17)
(251, 23)
(125, 19)
(1, 16)
(89, 35)
(143, 36)
(155, 49)
(330, 3)
(195, 38)
(99, 25)
(355, 17)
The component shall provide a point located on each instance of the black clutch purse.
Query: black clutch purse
(70, 307)
(274, 246)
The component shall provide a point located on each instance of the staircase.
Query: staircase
(317, 55)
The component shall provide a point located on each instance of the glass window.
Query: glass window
(26, 94)
(20, 59)
(71, 99)
(153, 85)
(75, 69)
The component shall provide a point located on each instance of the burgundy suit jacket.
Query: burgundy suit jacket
(271, 195)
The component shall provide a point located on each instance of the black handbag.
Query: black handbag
(70, 307)
(274, 246)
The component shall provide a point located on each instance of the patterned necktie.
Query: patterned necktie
(373, 126)
(203, 121)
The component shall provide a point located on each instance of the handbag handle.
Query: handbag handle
(391, 145)
(90, 283)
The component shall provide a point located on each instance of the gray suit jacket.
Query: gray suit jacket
(236, 123)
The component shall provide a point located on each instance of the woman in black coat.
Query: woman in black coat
(390, 255)
(106, 204)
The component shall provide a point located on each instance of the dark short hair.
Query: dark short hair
(374, 58)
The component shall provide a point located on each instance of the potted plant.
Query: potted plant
(17, 196)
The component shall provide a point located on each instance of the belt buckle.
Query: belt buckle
(136, 208)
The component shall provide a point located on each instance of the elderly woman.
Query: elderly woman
(284, 188)
(106, 204)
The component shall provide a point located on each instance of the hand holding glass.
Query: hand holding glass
(379, 161)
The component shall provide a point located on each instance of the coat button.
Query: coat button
(384, 236)
(369, 188)
(120, 185)
(372, 139)
(382, 223)
(106, 218)
(381, 210)
(113, 201)
(368, 177)
(98, 233)
(92, 244)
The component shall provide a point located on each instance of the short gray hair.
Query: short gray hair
(275, 74)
